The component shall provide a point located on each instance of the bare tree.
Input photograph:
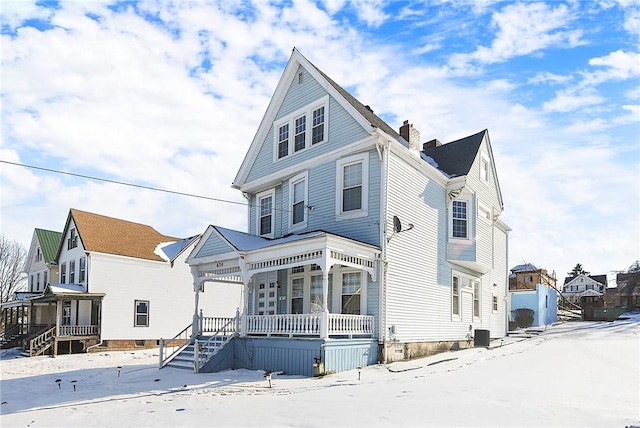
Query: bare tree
(13, 258)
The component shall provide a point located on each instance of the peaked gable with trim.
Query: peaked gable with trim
(301, 89)
(108, 235)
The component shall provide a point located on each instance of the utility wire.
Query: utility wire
(157, 189)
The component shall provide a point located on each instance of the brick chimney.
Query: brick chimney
(411, 135)
(431, 144)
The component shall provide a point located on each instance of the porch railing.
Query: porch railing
(169, 348)
(309, 325)
(204, 350)
(78, 330)
(351, 325)
(41, 342)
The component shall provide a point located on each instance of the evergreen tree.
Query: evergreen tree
(577, 270)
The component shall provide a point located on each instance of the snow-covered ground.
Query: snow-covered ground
(583, 374)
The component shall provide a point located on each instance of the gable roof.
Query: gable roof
(362, 115)
(102, 234)
(602, 279)
(455, 158)
(49, 241)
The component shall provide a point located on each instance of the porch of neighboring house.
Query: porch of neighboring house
(56, 322)
(298, 317)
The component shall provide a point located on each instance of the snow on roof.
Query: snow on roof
(527, 267)
(246, 242)
(67, 288)
(170, 250)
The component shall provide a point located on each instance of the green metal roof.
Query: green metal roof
(49, 242)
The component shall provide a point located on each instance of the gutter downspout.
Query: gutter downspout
(384, 158)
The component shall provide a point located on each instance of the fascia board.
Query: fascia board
(404, 153)
(487, 142)
(268, 118)
(230, 256)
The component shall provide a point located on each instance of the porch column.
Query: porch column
(245, 307)
(324, 316)
(195, 323)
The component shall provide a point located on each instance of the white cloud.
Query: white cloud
(570, 100)
(618, 65)
(523, 29)
(547, 77)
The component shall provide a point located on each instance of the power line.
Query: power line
(155, 189)
(106, 180)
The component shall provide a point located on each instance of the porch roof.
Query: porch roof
(253, 254)
(55, 292)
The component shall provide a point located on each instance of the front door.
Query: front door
(266, 293)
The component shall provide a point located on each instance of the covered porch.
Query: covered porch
(63, 318)
(312, 285)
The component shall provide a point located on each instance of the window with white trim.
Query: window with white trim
(66, 312)
(476, 298)
(32, 282)
(484, 168)
(141, 317)
(38, 281)
(297, 295)
(38, 255)
(455, 296)
(353, 187)
(494, 300)
(291, 133)
(72, 272)
(315, 294)
(45, 279)
(83, 269)
(351, 292)
(72, 241)
(265, 213)
(63, 273)
(459, 219)
(298, 197)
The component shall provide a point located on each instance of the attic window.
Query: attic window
(484, 169)
(299, 78)
(301, 129)
(72, 242)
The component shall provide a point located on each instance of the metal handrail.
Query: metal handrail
(177, 343)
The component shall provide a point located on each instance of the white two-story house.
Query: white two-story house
(120, 285)
(363, 243)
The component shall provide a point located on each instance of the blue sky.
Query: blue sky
(170, 95)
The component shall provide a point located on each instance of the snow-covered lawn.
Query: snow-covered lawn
(579, 374)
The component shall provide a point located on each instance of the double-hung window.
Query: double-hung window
(141, 318)
(298, 198)
(316, 294)
(300, 133)
(455, 296)
(351, 290)
(83, 269)
(318, 125)
(301, 129)
(459, 226)
(283, 140)
(297, 295)
(484, 169)
(63, 273)
(265, 213)
(476, 298)
(72, 272)
(45, 279)
(352, 179)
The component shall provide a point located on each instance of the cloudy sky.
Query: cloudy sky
(170, 94)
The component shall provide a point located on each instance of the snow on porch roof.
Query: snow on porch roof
(246, 242)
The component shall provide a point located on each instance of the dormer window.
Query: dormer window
(72, 242)
(291, 133)
(38, 255)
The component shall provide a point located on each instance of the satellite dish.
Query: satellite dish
(397, 226)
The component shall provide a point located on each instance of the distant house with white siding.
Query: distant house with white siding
(363, 244)
(120, 285)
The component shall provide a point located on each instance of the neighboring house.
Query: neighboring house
(626, 294)
(533, 297)
(526, 276)
(584, 286)
(40, 268)
(364, 245)
(121, 285)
